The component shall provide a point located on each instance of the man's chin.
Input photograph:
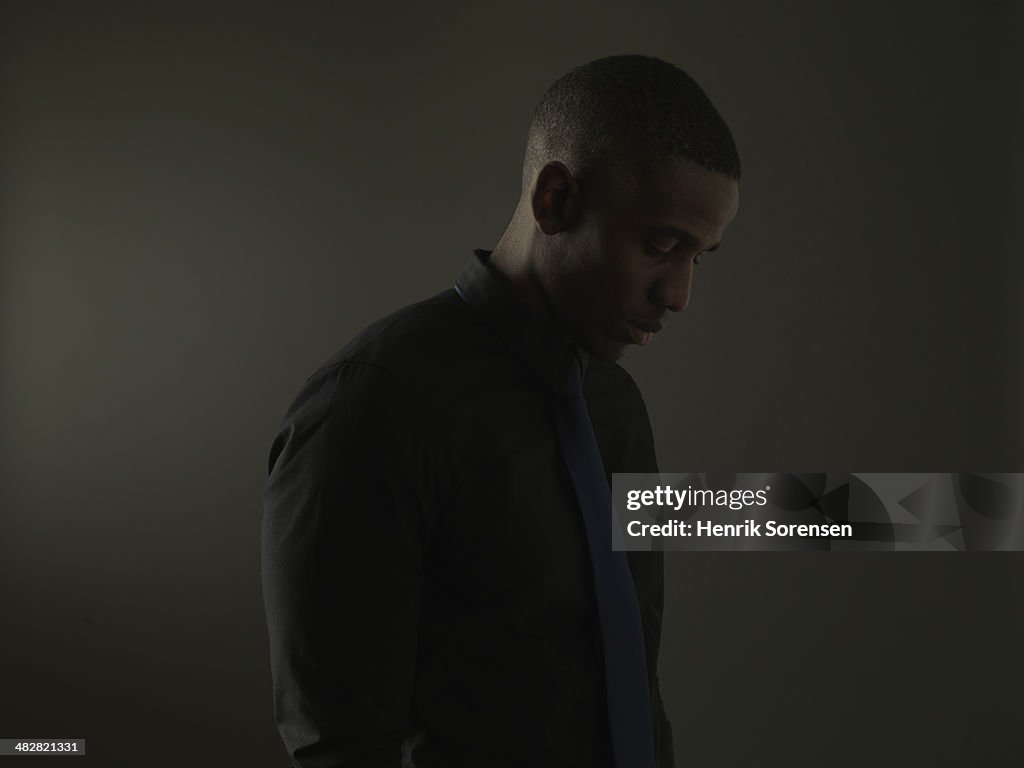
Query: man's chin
(606, 350)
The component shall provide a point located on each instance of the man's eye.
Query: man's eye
(654, 250)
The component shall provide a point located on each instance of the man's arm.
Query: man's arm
(649, 576)
(342, 544)
(665, 749)
(627, 445)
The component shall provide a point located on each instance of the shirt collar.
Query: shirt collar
(537, 340)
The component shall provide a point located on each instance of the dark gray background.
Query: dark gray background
(199, 206)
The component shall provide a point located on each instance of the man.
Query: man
(439, 579)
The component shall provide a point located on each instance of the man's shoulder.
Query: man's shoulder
(411, 337)
(393, 359)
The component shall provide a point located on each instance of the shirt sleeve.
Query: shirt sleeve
(648, 570)
(343, 533)
(626, 440)
(649, 577)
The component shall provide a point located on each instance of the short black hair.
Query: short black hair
(629, 107)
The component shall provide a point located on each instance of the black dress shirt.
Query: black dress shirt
(424, 563)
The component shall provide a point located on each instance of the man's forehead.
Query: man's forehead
(675, 192)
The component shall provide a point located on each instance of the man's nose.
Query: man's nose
(673, 290)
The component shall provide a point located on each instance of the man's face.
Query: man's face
(629, 259)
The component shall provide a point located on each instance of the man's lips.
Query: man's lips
(652, 326)
(642, 331)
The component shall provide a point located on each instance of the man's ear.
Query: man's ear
(556, 199)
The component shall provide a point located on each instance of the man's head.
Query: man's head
(630, 174)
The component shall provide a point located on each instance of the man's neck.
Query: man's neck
(515, 266)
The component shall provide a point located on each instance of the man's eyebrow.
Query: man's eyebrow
(683, 236)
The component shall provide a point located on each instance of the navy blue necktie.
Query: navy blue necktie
(625, 659)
